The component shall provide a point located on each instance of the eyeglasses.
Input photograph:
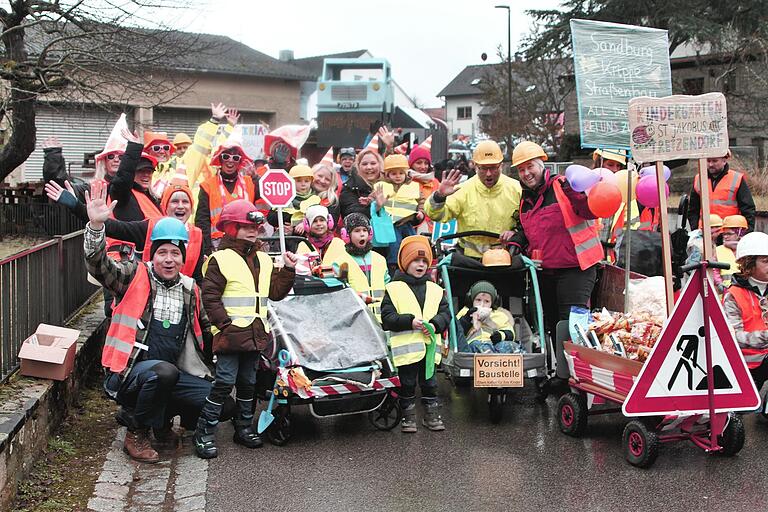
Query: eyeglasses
(227, 156)
(113, 156)
(160, 147)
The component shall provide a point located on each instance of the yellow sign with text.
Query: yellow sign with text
(498, 370)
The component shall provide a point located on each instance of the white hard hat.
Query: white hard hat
(752, 244)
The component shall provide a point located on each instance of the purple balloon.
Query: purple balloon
(651, 171)
(648, 191)
(606, 175)
(583, 179)
(572, 169)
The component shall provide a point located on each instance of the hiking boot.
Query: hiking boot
(205, 440)
(245, 434)
(408, 423)
(432, 419)
(137, 446)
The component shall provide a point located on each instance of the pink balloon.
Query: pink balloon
(583, 179)
(648, 191)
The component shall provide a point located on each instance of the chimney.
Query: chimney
(286, 55)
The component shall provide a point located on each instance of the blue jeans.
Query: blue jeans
(239, 370)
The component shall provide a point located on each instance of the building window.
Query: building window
(463, 113)
(693, 86)
(729, 83)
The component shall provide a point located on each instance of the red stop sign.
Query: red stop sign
(277, 188)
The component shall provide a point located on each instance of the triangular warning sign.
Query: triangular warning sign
(674, 378)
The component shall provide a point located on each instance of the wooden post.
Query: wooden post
(666, 242)
(706, 231)
(627, 234)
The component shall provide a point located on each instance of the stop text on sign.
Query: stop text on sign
(277, 189)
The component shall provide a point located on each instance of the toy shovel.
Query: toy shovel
(266, 417)
(429, 361)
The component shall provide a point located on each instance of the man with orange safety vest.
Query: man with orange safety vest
(226, 186)
(560, 231)
(157, 348)
(746, 304)
(729, 193)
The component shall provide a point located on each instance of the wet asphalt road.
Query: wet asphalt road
(523, 463)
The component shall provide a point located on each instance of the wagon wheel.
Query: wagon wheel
(387, 415)
(641, 444)
(281, 429)
(572, 414)
(732, 438)
(495, 404)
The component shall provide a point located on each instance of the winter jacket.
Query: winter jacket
(391, 320)
(55, 169)
(745, 339)
(743, 198)
(355, 188)
(233, 338)
(203, 211)
(123, 184)
(546, 229)
(478, 208)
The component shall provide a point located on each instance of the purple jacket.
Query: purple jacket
(544, 226)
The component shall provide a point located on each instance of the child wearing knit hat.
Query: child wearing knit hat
(488, 327)
(415, 311)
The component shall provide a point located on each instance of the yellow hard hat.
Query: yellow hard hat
(496, 258)
(735, 221)
(301, 171)
(617, 155)
(487, 152)
(181, 138)
(395, 163)
(715, 221)
(525, 151)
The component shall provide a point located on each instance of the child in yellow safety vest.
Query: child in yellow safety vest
(488, 327)
(366, 270)
(305, 197)
(239, 280)
(404, 203)
(412, 307)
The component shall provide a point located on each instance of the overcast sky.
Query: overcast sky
(426, 42)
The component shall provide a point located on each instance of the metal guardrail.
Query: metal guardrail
(37, 218)
(43, 284)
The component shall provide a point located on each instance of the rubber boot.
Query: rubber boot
(205, 440)
(432, 419)
(137, 446)
(245, 434)
(408, 423)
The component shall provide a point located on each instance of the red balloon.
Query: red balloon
(604, 199)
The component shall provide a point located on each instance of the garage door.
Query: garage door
(81, 130)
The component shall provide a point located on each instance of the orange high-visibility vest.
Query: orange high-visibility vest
(121, 336)
(150, 211)
(722, 200)
(194, 247)
(216, 201)
(752, 318)
(649, 219)
(584, 234)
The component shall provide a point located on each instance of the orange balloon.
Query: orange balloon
(604, 199)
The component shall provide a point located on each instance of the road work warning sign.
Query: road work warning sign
(498, 370)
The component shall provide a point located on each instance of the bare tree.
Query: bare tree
(85, 52)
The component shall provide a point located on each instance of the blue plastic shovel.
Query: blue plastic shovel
(266, 417)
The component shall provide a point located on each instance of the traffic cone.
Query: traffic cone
(374, 144)
(328, 158)
(427, 144)
(402, 148)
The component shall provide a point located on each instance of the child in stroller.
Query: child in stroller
(487, 327)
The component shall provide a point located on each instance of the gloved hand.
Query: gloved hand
(496, 337)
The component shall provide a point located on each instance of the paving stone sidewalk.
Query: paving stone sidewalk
(176, 484)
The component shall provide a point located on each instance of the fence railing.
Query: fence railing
(37, 218)
(44, 284)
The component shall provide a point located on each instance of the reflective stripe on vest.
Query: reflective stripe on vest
(193, 252)
(586, 240)
(620, 218)
(216, 202)
(410, 346)
(336, 254)
(723, 198)
(403, 203)
(240, 296)
(752, 320)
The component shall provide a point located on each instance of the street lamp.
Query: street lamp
(509, 57)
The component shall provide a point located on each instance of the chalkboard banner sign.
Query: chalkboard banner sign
(613, 64)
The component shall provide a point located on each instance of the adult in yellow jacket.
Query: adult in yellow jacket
(488, 201)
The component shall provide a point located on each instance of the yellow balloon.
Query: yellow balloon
(621, 181)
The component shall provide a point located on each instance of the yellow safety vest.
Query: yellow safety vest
(498, 321)
(297, 215)
(725, 255)
(241, 300)
(402, 203)
(337, 254)
(409, 347)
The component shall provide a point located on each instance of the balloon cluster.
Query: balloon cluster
(607, 191)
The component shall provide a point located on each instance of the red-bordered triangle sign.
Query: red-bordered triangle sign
(674, 378)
